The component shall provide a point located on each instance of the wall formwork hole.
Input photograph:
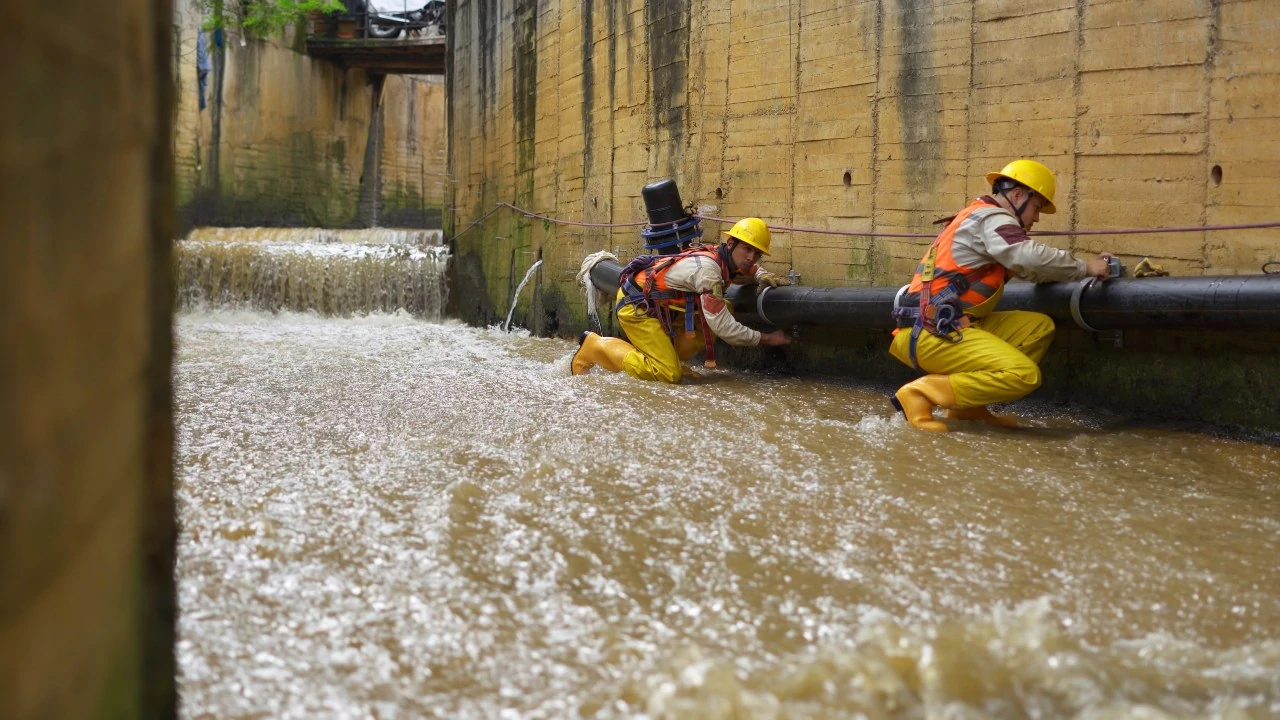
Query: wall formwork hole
(719, 194)
(1216, 175)
(848, 178)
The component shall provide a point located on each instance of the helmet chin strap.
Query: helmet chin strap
(726, 254)
(1018, 210)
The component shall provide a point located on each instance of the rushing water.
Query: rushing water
(384, 517)
(332, 272)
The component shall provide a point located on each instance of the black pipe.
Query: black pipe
(1228, 302)
(1231, 302)
(869, 308)
(604, 275)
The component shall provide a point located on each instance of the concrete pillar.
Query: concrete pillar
(87, 599)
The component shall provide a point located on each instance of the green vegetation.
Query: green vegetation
(261, 18)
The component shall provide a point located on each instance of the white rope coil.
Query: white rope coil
(594, 296)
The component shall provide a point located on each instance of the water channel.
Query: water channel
(385, 515)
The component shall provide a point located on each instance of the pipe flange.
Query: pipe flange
(760, 304)
(1075, 304)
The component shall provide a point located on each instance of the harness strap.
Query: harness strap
(656, 303)
(940, 314)
(926, 301)
(708, 343)
(915, 338)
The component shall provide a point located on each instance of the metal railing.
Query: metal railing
(384, 20)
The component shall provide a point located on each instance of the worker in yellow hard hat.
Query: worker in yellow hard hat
(672, 306)
(972, 356)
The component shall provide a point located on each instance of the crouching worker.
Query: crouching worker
(672, 306)
(970, 355)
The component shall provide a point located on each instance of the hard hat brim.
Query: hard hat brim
(1048, 209)
(744, 242)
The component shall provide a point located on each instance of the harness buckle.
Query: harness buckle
(947, 322)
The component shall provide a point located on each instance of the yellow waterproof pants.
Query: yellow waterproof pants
(997, 361)
(657, 357)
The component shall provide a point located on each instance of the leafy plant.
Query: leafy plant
(261, 18)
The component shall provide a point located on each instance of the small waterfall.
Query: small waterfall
(516, 295)
(331, 272)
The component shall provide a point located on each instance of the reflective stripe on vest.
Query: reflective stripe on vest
(650, 284)
(664, 265)
(975, 285)
(648, 290)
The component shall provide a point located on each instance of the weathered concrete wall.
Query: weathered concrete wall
(412, 152)
(858, 116)
(86, 482)
(290, 140)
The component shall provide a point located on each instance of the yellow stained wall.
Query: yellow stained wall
(412, 151)
(858, 116)
(286, 138)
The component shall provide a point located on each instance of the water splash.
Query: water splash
(506, 326)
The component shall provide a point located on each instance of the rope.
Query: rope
(1043, 233)
(1138, 231)
(827, 231)
(863, 233)
(484, 217)
(549, 219)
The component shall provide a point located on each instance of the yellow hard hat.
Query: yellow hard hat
(751, 231)
(1032, 174)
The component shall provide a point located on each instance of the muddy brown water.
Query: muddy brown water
(387, 517)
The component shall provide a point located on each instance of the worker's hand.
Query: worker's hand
(775, 338)
(773, 280)
(1098, 267)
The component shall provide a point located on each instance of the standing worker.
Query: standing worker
(972, 356)
(663, 300)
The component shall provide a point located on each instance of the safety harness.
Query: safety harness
(652, 296)
(941, 313)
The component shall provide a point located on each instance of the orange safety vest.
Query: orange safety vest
(644, 284)
(975, 285)
(659, 291)
(944, 294)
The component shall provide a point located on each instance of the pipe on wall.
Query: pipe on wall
(1231, 302)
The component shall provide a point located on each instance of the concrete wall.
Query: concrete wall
(290, 140)
(858, 116)
(86, 501)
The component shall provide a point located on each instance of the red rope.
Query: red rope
(1121, 231)
(1138, 231)
(859, 233)
(546, 218)
(484, 217)
(821, 231)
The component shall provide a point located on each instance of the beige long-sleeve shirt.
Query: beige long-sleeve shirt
(994, 235)
(701, 275)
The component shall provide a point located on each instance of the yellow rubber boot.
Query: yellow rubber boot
(917, 399)
(982, 414)
(607, 352)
